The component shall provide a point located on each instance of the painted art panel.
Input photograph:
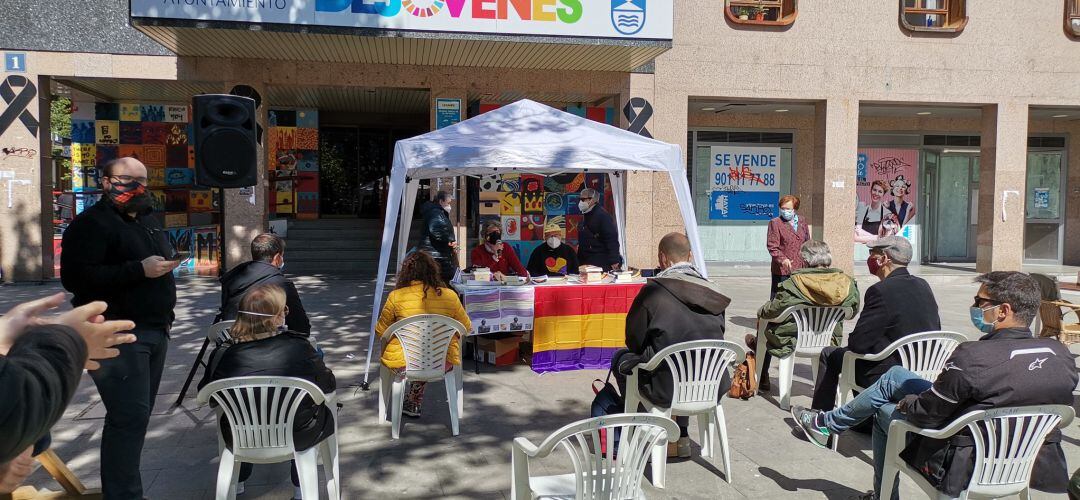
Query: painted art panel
(156, 175)
(511, 203)
(176, 200)
(282, 118)
(177, 134)
(176, 156)
(106, 153)
(307, 161)
(176, 114)
(573, 223)
(107, 131)
(84, 154)
(307, 118)
(490, 203)
(108, 111)
(130, 132)
(510, 183)
(307, 139)
(155, 133)
(511, 227)
(489, 183)
(532, 227)
(154, 155)
(176, 220)
(200, 200)
(82, 111)
(532, 194)
(307, 202)
(207, 249)
(179, 176)
(152, 112)
(130, 112)
(181, 240)
(82, 132)
(572, 204)
(554, 204)
(131, 151)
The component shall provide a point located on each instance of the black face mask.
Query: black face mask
(131, 197)
(494, 238)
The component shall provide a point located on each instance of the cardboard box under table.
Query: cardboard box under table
(499, 352)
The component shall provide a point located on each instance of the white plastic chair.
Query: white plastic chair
(814, 332)
(425, 339)
(218, 333)
(697, 368)
(598, 475)
(1007, 441)
(261, 412)
(923, 353)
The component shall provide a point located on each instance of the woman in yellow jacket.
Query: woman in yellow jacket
(420, 290)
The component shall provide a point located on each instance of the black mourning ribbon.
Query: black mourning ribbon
(18, 103)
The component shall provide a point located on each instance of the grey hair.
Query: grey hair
(588, 193)
(442, 196)
(816, 253)
(1017, 289)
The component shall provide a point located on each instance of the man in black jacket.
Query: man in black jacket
(437, 237)
(679, 305)
(598, 238)
(264, 268)
(1007, 367)
(41, 362)
(899, 305)
(117, 253)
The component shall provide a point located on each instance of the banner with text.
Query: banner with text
(744, 183)
(635, 19)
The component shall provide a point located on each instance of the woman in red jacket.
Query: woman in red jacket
(493, 254)
(786, 235)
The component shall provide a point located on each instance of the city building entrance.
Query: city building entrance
(952, 203)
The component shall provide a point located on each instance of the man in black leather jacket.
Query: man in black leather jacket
(438, 238)
(1007, 367)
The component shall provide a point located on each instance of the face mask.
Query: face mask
(447, 208)
(554, 242)
(130, 197)
(583, 206)
(979, 322)
(873, 264)
(282, 266)
(494, 238)
(787, 214)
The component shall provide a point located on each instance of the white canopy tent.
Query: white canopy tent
(524, 137)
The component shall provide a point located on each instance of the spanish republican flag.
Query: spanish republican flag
(579, 327)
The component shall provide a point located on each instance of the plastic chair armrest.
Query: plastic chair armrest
(526, 447)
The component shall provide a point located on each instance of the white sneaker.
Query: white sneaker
(240, 488)
(297, 495)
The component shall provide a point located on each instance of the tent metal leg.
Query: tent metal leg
(191, 373)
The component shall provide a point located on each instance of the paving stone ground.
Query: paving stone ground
(180, 459)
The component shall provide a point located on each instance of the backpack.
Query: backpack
(744, 384)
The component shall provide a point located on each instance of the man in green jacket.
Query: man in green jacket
(818, 284)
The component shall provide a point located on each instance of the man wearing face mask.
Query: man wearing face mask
(117, 253)
(598, 238)
(1006, 367)
(438, 238)
(553, 258)
(495, 255)
(264, 268)
(899, 305)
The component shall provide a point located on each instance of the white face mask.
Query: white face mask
(554, 242)
(448, 208)
(583, 206)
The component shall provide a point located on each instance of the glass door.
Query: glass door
(1043, 207)
(952, 179)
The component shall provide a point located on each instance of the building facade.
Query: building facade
(949, 122)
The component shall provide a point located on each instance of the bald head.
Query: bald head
(674, 248)
(124, 166)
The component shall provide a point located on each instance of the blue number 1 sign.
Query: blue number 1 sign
(14, 62)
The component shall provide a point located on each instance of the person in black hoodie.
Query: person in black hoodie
(264, 268)
(261, 346)
(117, 253)
(554, 257)
(679, 305)
(598, 238)
(41, 362)
(1006, 367)
(437, 238)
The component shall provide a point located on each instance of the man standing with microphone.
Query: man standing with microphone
(117, 253)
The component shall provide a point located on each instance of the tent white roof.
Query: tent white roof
(524, 137)
(527, 136)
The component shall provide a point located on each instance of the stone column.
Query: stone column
(244, 210)
(1071, 195)
(458, 215)
(1002, 175)
(25, 170)
(836, 149)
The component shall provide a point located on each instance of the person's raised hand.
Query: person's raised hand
(101, 336)
(155, 266)
(13, 473)
(24, 315)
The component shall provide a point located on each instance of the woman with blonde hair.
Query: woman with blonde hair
(261, 346)
(420, 290)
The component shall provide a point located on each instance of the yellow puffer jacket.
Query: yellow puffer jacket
(411, 301)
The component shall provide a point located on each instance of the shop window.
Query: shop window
(1072, 21)
(948, 16)
(762, 12)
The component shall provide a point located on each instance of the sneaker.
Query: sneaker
(679, 449)
(240, 488)
(807, 421)
(869, 495)
(297, 494)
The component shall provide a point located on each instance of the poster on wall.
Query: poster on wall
(887, 182)
(744, 183)
(447, 112)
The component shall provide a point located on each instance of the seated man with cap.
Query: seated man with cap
(553, 258)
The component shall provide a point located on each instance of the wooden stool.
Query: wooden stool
(73, 488)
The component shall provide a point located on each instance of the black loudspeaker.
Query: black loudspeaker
(226, 150)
